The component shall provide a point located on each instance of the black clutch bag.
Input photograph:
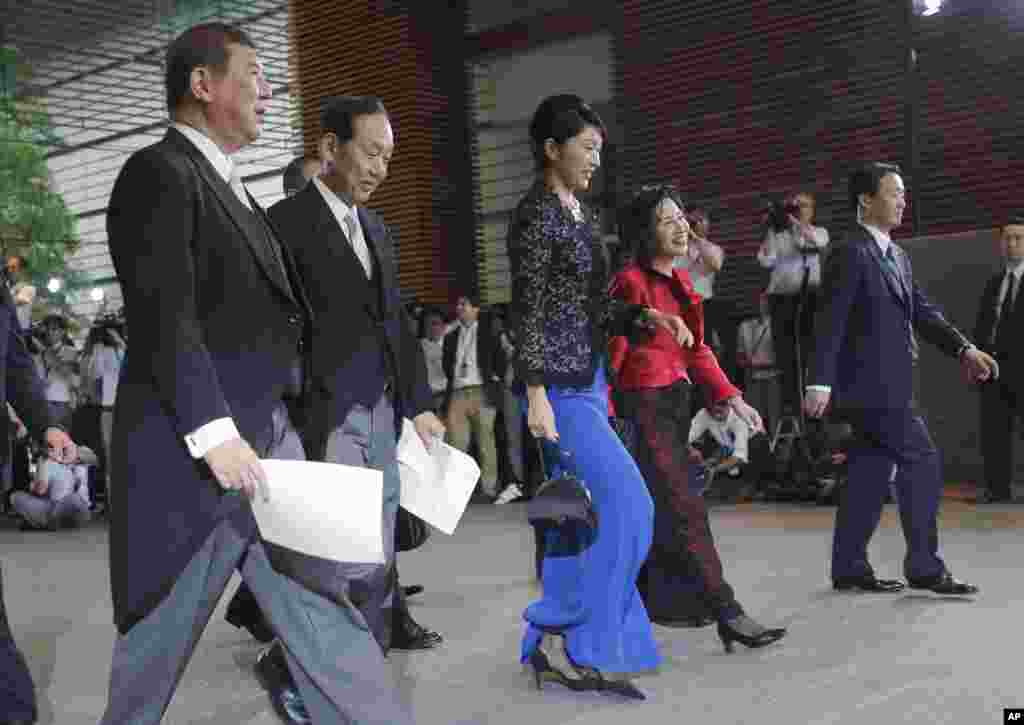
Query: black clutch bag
(561, 500)
(410, 531)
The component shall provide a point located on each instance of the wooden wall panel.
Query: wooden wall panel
(739, 101)
(410, 55)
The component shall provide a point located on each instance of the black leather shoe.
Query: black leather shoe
(272, 672)
(245, 613)
(412, 636)
(747, 632)
(867, 584)
(944, 584)
(412, 590)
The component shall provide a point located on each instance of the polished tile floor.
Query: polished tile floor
(858, 659)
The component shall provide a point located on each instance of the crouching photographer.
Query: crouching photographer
(792, 250)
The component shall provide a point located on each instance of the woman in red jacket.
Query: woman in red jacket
(654, 380)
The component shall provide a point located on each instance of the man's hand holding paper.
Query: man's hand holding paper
(323, 509)
(436, 483)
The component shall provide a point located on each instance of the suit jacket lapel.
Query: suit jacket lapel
(329, 233)
(891, 279)
(288, 261)
(247, 223)
(378, 243)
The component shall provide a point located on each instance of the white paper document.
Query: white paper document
(323, 509)
(436, 484)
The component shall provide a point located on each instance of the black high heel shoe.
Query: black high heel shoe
(756, 636)
(544, 672)
(569, 675)
(622, 686)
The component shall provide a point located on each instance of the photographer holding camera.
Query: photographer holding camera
(792, 250)
(57, 364)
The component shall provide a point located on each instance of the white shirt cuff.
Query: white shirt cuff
(209, 436)
(820, 388)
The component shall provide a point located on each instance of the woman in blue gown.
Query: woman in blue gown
(589, 630)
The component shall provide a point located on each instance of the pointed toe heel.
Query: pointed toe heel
(760, 637)
(623, 688)
(543, 671)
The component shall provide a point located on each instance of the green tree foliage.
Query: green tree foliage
(34, 220)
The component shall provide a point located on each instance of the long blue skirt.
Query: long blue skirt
(591, 597)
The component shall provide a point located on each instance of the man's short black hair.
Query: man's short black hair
(200, 45)
(54, 320)
(339, 112)
(866, 180)
(472, 297)
(1016, 219)
(428, 312)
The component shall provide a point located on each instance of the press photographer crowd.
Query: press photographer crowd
(80, 387)
(616, 395)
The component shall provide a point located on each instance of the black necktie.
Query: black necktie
(894, 269)
(1005, 313)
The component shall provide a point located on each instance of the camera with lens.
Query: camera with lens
(779, 213)
(103, 326)
(36, 338)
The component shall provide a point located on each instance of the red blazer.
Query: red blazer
(656, 360)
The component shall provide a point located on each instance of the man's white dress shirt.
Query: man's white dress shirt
(348, 220)
(467, 371)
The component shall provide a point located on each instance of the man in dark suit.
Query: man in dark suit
(219, 320)
(23, 389)
(864, 358)
(472, 360)
(368, 370)
(244, 611)
(1000, 331)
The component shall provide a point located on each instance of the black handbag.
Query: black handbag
(561, 500)
(410, 531)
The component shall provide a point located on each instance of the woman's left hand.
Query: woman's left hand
(747, 414)
(674, 324)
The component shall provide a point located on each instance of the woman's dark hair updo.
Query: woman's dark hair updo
(636, 218)
(560, 118)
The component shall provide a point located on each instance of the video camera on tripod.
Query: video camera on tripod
(795, 444)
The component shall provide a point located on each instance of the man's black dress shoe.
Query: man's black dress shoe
(944, 584)
(867, 584)
(272, 672)
(412, 636)
(245, 613)
(412, 590)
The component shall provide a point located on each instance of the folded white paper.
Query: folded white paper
(436, 484)
(323, 509)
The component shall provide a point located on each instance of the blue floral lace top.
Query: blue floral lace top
(561, 306)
